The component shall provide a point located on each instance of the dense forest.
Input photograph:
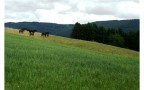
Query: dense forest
(112, 36)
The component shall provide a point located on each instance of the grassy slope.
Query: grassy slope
(93, 46)
(35, 63)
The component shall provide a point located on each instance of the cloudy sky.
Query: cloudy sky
(70, 11)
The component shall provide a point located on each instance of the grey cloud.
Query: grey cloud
(113, 8)
(100, 6)
(101, 9)
(27, 5)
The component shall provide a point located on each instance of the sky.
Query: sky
(70, 11)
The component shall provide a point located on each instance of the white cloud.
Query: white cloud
(70, 11)
(55, 17)
(60, 7)
(128, 10)
(20, 16)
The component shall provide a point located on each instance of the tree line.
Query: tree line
(111, 36)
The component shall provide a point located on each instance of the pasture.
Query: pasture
(58, 63)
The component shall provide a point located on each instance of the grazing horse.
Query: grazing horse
(22, 30)
(31, 32)
(45, 34)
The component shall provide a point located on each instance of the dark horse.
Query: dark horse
(45, 34)
(22, 30)
(31, 32)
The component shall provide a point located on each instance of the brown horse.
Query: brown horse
(31, 32)
(45, 34)
(22, 30)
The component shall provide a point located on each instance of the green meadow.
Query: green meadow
(58, 63)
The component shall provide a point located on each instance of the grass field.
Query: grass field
(58, 63)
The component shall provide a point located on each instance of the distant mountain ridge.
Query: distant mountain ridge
(125, 25)
(66, 29)
(53, 28)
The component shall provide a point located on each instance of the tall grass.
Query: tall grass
(37, 64)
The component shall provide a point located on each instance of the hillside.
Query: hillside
(66, 29)
(93, 46)
(53, 28)
(58, 63)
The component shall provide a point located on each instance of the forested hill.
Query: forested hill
(66, 29)
(125, 25)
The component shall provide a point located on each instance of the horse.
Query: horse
(31, 32)
(22, 30)
(45, 34)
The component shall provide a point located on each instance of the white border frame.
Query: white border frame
(2, 45)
